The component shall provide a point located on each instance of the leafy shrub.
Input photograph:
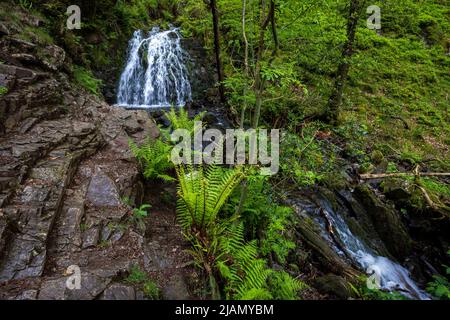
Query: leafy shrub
(239, 265)
(307, 160)
(361, 291)
(140, 278)
(202, 194)
(136, 275)
(151, 290)
(263, 218)
(139, 214)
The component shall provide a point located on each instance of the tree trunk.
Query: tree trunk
(335, 101)
(246, 68)
(259, 82)
(215, 15)
(273, 25)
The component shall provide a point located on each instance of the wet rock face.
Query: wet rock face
(387, 223)
(201, 69)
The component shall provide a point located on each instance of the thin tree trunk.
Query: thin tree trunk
(335, 101)
(259, 82)
(273, 25)
(246, 70)
(215, 15)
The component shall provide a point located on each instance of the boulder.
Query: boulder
(387, 223)
(334, 285)
(102, 191)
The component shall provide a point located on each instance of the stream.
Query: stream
(384, 274)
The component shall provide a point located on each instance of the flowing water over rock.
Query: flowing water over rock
(155, 74)
(385, 274)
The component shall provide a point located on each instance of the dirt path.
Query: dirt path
(165, 256)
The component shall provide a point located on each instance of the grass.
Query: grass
(140, 278)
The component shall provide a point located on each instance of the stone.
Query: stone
(52, 57)
(91, 287)
(102, 191)
(25, 58)
(91, 237)
(176, 289)
(4, 31)
(387, 223)
(131, 126)
(27, 295)
(118, 291)
(17, 71)
(335, 285)
(53, 289)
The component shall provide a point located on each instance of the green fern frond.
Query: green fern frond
(202, 193)
(154, 158)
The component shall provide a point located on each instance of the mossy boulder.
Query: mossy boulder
(334, 285)
(387, 223)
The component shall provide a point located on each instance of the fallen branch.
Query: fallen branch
(403, 174)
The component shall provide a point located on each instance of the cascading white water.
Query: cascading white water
(387, 274)
(155, 74)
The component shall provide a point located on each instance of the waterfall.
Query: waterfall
(155, 74)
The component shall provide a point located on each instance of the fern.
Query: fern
(284, 287)
(239, 265)
(202, 194)
(181, 120)
(154, 157)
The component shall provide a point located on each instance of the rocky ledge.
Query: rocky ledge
(65, 170)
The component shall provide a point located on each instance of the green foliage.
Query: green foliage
(85, 78)
(139, 214)
(3, 91)
(284, 287)
(440, 287)
(26, 4)
(361, 291)
(140, 278)
(151, 290)
(181, 120)
(264, 219)
(219, 244)
(239, 265)
(136, 275)
(154, 157)
(202, 194)
(306, 160)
